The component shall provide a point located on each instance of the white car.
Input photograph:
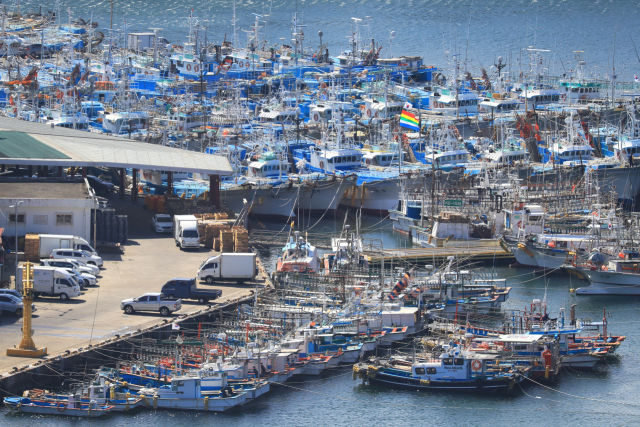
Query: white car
(162, 223)
(71, 263)
(82, 256)
(151, 302)
(84, 279)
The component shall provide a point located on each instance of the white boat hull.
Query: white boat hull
(610, 283)
(323, 196)
(369, 346)
(379, 196)
(315, 368)
(579, 361)
(549, 259)
(351, 355)
(198, 404)
(261, 201)
(523, 258)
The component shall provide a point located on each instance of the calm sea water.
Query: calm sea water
(479, 31)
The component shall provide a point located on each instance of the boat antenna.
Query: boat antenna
(634, 47)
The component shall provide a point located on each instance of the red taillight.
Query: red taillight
(51, 257)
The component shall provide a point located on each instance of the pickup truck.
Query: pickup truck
(188, 289)
(151, 302)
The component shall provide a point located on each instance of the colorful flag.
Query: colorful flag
(408, 120)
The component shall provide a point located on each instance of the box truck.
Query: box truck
(239, 267)
(51, 281)
(185, 231)
(49, 242)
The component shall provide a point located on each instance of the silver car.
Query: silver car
(13, 304)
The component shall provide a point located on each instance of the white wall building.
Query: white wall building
(49, 206)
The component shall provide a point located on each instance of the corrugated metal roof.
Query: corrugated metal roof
(92, 149)
(269, 114)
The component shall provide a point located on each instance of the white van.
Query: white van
(51, 281)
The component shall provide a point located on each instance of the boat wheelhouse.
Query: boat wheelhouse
(335, 160)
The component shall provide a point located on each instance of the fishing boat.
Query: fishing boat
(617, 277)
(298, 256)
(453, 370)
(61, 408)
(186, 392)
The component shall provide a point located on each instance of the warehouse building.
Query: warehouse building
(46, 206)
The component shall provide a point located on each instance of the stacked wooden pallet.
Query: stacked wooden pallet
(226, 241)
(240, 240)
(32, 247)
(209, 230)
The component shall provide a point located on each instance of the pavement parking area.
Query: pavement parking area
(148, 262)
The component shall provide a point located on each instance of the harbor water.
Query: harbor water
(478, 31)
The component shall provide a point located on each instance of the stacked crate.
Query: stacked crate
(240, 240)
(209, 230)
(32, 247)
(226, 241)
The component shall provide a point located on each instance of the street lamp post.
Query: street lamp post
(15, 220)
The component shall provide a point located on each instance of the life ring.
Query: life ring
(195, 68)
(255, 170)
(367, 161)
(188, 67)
(316, 117)
(181, 127)
(377, 113)
(563, 96)
(368, 112)
(61, 407)
(106, 78)
(552, 244)
(146, 73)
(476, 365)
(321, 164)
(519, 224)
(240, 64)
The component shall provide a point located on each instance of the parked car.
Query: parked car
(101, 188)
(11, 292)
(82, 256)
(151, 302)
(13, 304)
(162, 223)
(71, 263)
(83, 279)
